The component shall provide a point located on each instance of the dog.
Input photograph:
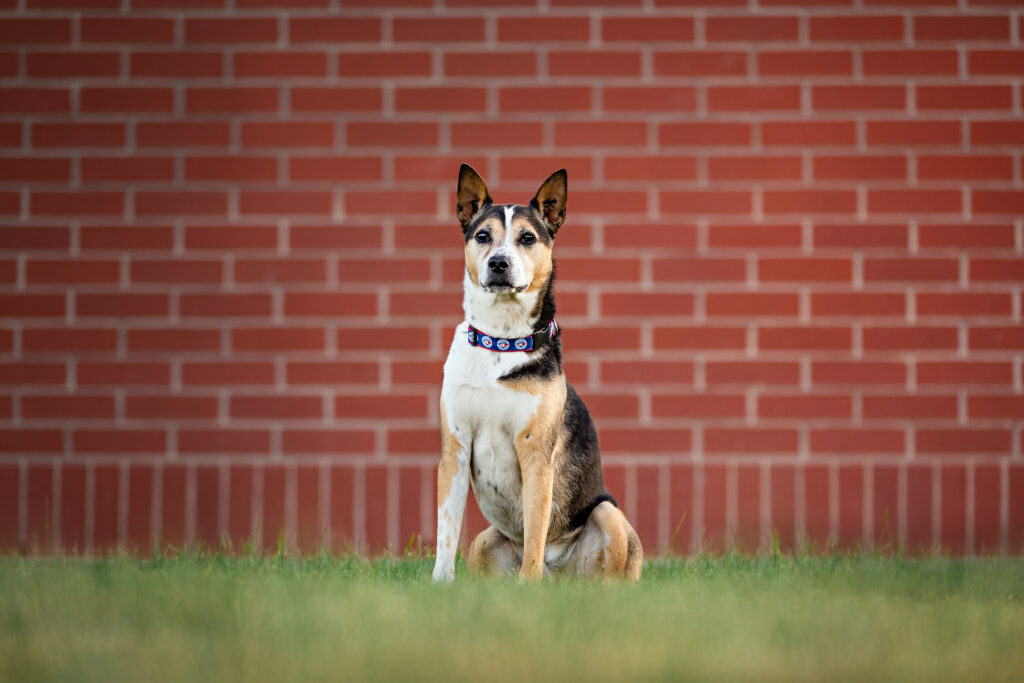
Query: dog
(512, 428)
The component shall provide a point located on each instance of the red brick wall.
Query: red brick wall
(790, 281)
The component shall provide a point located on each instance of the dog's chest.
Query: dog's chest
(487, 416)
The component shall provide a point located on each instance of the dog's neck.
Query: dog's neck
(501, 315)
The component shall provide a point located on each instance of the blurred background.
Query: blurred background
(789, 283)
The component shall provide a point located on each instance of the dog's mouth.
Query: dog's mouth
(503, 288)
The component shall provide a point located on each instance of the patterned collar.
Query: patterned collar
(531, 343)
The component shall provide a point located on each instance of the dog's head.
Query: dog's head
(508, 246)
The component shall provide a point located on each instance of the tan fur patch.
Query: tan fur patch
(622, 555)
(449, 464)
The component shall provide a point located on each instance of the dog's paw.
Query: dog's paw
(443, 576)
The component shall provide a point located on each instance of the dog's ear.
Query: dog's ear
(472, 195)
(550, 199)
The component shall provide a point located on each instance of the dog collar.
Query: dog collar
(531, 343)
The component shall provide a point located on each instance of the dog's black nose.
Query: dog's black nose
(498, 264)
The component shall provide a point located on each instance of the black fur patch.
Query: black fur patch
(581, 517)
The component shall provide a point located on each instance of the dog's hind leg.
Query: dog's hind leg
(492, 553)
(608, 546)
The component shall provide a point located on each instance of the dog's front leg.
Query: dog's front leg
(452, 489)
(538, 480)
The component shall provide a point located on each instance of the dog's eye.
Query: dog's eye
(527, 238)
(483, 237)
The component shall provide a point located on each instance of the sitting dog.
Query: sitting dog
(512, 427)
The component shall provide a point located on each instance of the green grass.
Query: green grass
(830, 618)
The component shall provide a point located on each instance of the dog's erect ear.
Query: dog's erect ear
(550, 199)
(472, 195)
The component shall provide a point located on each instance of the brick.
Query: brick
(63, 340)
(646, 440)
(592, 63)
(964, 304)
(909, 407)
(751, 29)
(916, 132)
(751, 372)
(231, 237)
(961, 27)
(207, 506)
(700, 269)
(32, 441)
(139, 527)
(227, 373)
(241, 525)
(176, 65)
(76, 203)
(745, 440)
(336, 99)
(238, 30)
(804, 269)
(995, 407)
(910, 62)
(914, 201)
(385, 202)
(238, 169)
(807, 406)
(698, 406)
(32, 305)
(767, 168)
(705, 202)
(805, 63)
(35, 100)
(334, 30)
(120, 30)
(340, 372)
(1015, 494)
(183, 134)
(700, 134)
(860, 167)
(271, 517)
(287, 134)
(380, 407)
(987, 502)
(72, 508)
(964, 97)
(751, 304)
(42, 170)
(439, 29)
(334, 236)
(310, 532)
(910, 270)
(284, 202)
(276, 407)
(963, 441)
(543, 30)
(173, 340)
(964, 373)
(700, 338)
(84, 65)
(856, 441)
(860, 236)
(803, 133)
(384, 64)
(103, 169)
(397, 134)
(804, 338)
(107, 441)
(649, 99)
(231, 100)
(280, 64)
(220, 441)
(995, 62)
(856, 28)
(278, 339)
(858, 304)
(753, 98)
(997, 201)
(122, 305)
(754, 236)
(122, 374)
(127, 100)
(962, 166)
(397, 338)
(225, 305)
(176, 271)
(36, 237)
(71, 272)
(10, 134)
(25, 30)
(909, 338)
(440, 99)
(646, 304)
(647, 29)
(177, 203)
(851, 507)
(341, 535)
(996, 270)
(646, 372)
(40, 507)
(700, 63)
(177, 407)
(20, 372)
(490, 64)
(816, 506)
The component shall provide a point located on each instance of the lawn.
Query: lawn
(830, 618)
